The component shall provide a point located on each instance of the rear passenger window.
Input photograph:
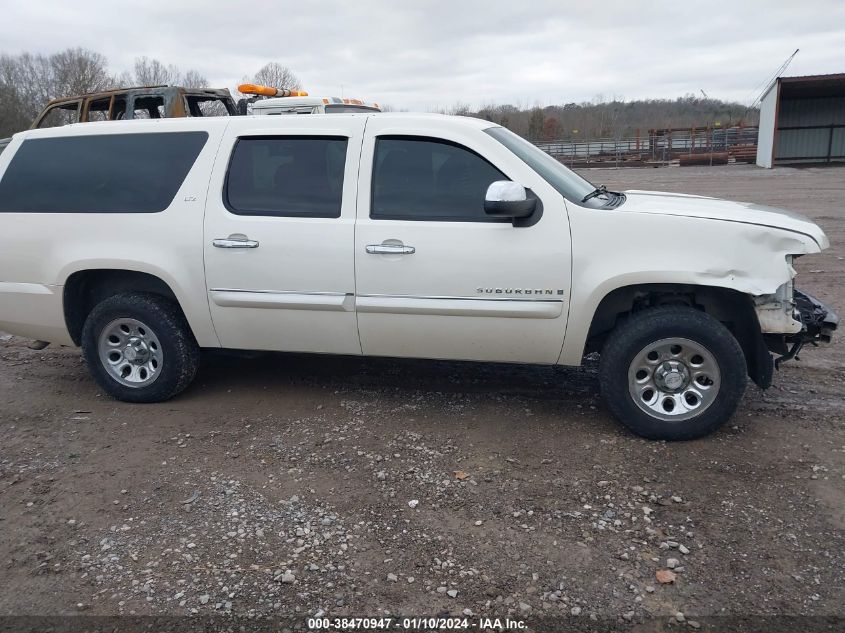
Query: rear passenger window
(287, 176)
(416, 178)
(108, 173)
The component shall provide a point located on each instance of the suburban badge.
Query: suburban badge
(519, 291)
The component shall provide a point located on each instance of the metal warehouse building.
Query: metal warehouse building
(802, 120)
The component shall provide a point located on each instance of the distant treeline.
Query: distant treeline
(28, 81)
(613, 118)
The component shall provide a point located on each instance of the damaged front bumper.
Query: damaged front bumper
(818, 322)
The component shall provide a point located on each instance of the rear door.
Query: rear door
(436, 277)
(279, 234)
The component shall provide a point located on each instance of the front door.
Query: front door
(279, 235)
(436, 277)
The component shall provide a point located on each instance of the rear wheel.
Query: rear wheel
(672, 373)
(139, 348)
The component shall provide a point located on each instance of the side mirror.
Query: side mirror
(506, 199)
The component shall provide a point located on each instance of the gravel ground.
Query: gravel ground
(294, 485)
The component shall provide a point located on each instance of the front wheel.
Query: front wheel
(672, 373)
(139, 348)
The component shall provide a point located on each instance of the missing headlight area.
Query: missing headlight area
(777, 312)
(818, 323)
(818, 319)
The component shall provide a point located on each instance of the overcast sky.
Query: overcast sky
(420, 55)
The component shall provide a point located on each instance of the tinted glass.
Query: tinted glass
(421, 179)
(110, 173)
(344, 108)
(287, 176)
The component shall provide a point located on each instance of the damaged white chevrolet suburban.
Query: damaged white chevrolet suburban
(399, 235)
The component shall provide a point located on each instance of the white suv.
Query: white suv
(385, 234)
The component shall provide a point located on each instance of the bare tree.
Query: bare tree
(124, 79)
(13, 113)
(77, 70)
(193, 79)
(28, 82)
(535, 124)
(461, 109)
(31, 76)
(151, 72)
(276, 76)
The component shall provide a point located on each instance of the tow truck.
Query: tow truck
(266, 100)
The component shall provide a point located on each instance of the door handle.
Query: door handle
(235, 241)
(390, 249)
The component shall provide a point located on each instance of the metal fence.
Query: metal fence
(738, 144)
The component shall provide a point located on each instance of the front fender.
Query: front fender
(612, 249)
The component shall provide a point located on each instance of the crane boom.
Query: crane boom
(771, 78)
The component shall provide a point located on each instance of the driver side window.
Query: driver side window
(417, 178)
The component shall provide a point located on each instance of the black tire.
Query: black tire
(180, 354)
(644, 328)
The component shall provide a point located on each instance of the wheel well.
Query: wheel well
(86, 288)
(732, 308)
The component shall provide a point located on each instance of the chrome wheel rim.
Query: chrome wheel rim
(130, 352)
(674, 379)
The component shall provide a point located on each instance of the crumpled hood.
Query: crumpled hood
(662, 203)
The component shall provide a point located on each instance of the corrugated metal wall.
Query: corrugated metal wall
(812, 111)
(837, 148)
(806, 132)
(803, 143)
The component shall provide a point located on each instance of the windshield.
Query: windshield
(341, 108)
(569, 184)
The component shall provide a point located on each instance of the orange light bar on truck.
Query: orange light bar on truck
(267, 91)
